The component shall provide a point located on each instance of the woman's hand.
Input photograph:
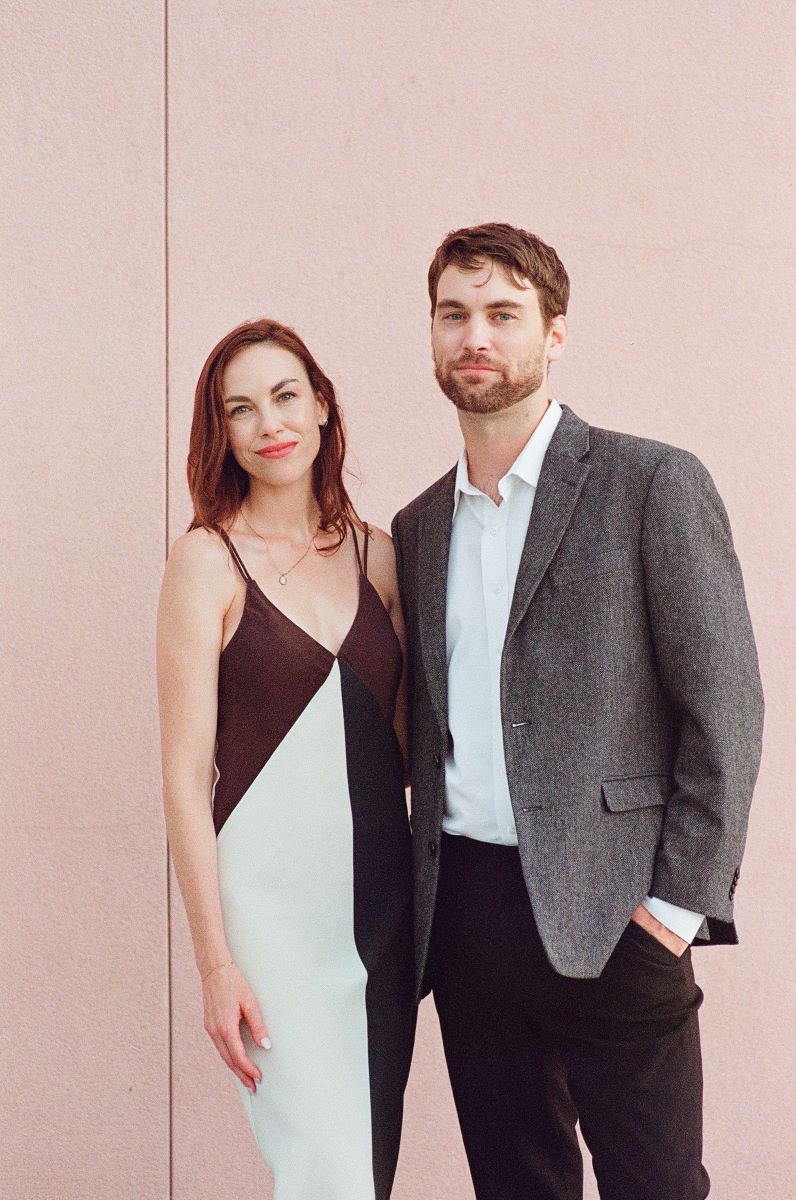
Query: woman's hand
(228, 998)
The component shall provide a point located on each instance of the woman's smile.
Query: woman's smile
(279, 450)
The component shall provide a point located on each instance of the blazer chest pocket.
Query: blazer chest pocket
(602, 562)
(639, 791)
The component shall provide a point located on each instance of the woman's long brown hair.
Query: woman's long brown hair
(217, 482)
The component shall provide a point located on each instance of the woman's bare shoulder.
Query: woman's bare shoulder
(200, 557)
(381, 547)
(381, 555)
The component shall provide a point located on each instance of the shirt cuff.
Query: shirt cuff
(681, 921)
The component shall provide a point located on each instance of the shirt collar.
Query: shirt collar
(526, 466)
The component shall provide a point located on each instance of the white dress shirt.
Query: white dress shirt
(486, 545)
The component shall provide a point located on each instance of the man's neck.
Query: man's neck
(493, 440)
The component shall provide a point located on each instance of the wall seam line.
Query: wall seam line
(166, 534)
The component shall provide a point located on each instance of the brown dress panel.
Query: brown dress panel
(270, 670)
(373, 651)
(268, 673)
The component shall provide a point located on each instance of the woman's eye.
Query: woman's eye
(239, 408)
(286, 396)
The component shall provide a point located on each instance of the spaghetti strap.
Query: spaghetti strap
(367, 541)
(238, 560)
(356, 548)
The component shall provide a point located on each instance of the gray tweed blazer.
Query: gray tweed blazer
(630, 693)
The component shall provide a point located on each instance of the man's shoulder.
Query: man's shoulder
(642, 455)
(410, 513)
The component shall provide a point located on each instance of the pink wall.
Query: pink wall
(314, 155)
(85, 1045)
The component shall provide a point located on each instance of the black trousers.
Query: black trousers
(530, 1052)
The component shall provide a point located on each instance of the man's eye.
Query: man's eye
(505, 316)
(452, 317)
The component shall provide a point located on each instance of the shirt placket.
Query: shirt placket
(494, 571)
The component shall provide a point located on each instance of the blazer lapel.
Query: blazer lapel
(560, 481)
(435, 540)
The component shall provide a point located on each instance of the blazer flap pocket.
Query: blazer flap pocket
(600, 561)
(640, 791)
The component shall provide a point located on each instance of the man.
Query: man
(586, 728)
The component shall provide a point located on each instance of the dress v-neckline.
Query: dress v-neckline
(250, 580)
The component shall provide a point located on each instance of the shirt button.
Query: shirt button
(498, 588)
(493, 529)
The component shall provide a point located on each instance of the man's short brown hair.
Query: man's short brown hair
(522, 254)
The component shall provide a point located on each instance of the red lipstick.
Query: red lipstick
(280, 450)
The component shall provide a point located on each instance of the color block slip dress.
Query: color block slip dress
(315, 878)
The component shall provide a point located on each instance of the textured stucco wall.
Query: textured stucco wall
(85, 1047)
(315, 154)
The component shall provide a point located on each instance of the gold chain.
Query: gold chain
(282, 574)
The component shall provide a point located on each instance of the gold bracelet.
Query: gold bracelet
(217, 968)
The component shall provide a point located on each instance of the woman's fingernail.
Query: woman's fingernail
(266, 1043)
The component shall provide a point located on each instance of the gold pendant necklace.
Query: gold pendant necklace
(283, 574)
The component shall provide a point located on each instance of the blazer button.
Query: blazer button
(432, 848)
(437, 761)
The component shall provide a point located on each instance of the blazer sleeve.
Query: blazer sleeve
(706, 656)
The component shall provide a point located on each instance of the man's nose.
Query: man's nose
(476, 336)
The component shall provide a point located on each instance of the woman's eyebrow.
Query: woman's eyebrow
(277, 387)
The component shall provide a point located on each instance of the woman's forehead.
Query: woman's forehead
(261, 365)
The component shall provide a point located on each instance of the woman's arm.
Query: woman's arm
(385, 579)
(199, 586)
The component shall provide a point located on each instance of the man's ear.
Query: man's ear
(557, 335)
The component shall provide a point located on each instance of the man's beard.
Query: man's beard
(506, 390)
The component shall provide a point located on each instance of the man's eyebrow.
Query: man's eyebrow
(495, 304)
(276, 388)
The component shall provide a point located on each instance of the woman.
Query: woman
(279, 663)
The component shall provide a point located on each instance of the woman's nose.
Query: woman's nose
(270, 423)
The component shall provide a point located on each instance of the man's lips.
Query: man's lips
(277, 451)
(474, 367)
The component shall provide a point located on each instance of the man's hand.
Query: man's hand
(670, 940)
